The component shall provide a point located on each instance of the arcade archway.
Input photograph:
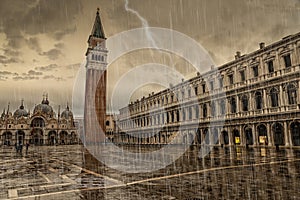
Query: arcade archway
(262, 134)
(278, 133)
(295, 132)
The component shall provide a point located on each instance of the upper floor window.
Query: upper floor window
(270, 66)
(222, 107)
(203, 88)
(292, 94)
(221, 82)
(245, 103)
(204, 110)
(211, 83)
(233, 105)
(197, 111)
(196, 90)
(274, 97)
(213, 108)
(190, 113)
(287, 60)
(255, 71)
(258, 100)
(230, 78)
(189, 93)
(242, 74)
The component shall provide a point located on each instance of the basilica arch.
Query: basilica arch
(7, 138)
(63, 137)
(52, 137)
(20, 137)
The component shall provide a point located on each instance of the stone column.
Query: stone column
(281, 97)
(287, 134)
(230, 137)
(270, 135)
(297, 91)
(265, 99)
(254, 134)
(238, 104)
(242, 135)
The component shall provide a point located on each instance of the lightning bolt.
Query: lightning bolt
(144, 23)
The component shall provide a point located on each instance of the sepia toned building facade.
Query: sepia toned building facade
(42, 127)
(252, 100)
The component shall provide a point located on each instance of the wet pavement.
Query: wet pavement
(70, 172)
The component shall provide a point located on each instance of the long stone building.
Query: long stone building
(43, 126)
(259, 105)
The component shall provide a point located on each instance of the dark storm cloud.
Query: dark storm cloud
(10, 52)
(54, 18)
(33, 73)
(59, 45)
(25, 78)
(58, 35)
(33, 43)
(52, 54)
(52, 77)
(5, 73)
(7, 60)
(72, 66)
(3, 78)
(51, 67)
(30, 75)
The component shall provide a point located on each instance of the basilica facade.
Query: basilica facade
(42, 127)
(253, 100)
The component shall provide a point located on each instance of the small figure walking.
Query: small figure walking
(27, 146)
(16, 147)
(21, 147)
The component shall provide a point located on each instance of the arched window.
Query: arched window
(222, 107)
(38, 122)
(245, 103)
(99, 57)
(233, 105)
(197, 111)
(213, 108)
(258, 100)
(274, 97)
(204, 110)
(292, 94)
(93, 57)
(190, 113)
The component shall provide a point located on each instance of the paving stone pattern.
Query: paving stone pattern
(70, 172)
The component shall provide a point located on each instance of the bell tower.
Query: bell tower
(95, 87)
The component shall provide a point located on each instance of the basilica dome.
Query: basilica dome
(67, 113)
(21, 112)
(44, 108)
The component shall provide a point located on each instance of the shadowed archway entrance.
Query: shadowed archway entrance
(225, 137)
(236, 136)
(262, 134)
(295, 132)
(249, 135)
(278, 133)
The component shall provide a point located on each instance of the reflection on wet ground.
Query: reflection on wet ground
(70, 172)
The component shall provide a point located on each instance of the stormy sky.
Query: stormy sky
(43, 42)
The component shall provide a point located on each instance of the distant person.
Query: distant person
(21, 147)
(27, 146)
(16, 147)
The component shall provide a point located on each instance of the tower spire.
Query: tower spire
(97, 30)
(97, 35)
